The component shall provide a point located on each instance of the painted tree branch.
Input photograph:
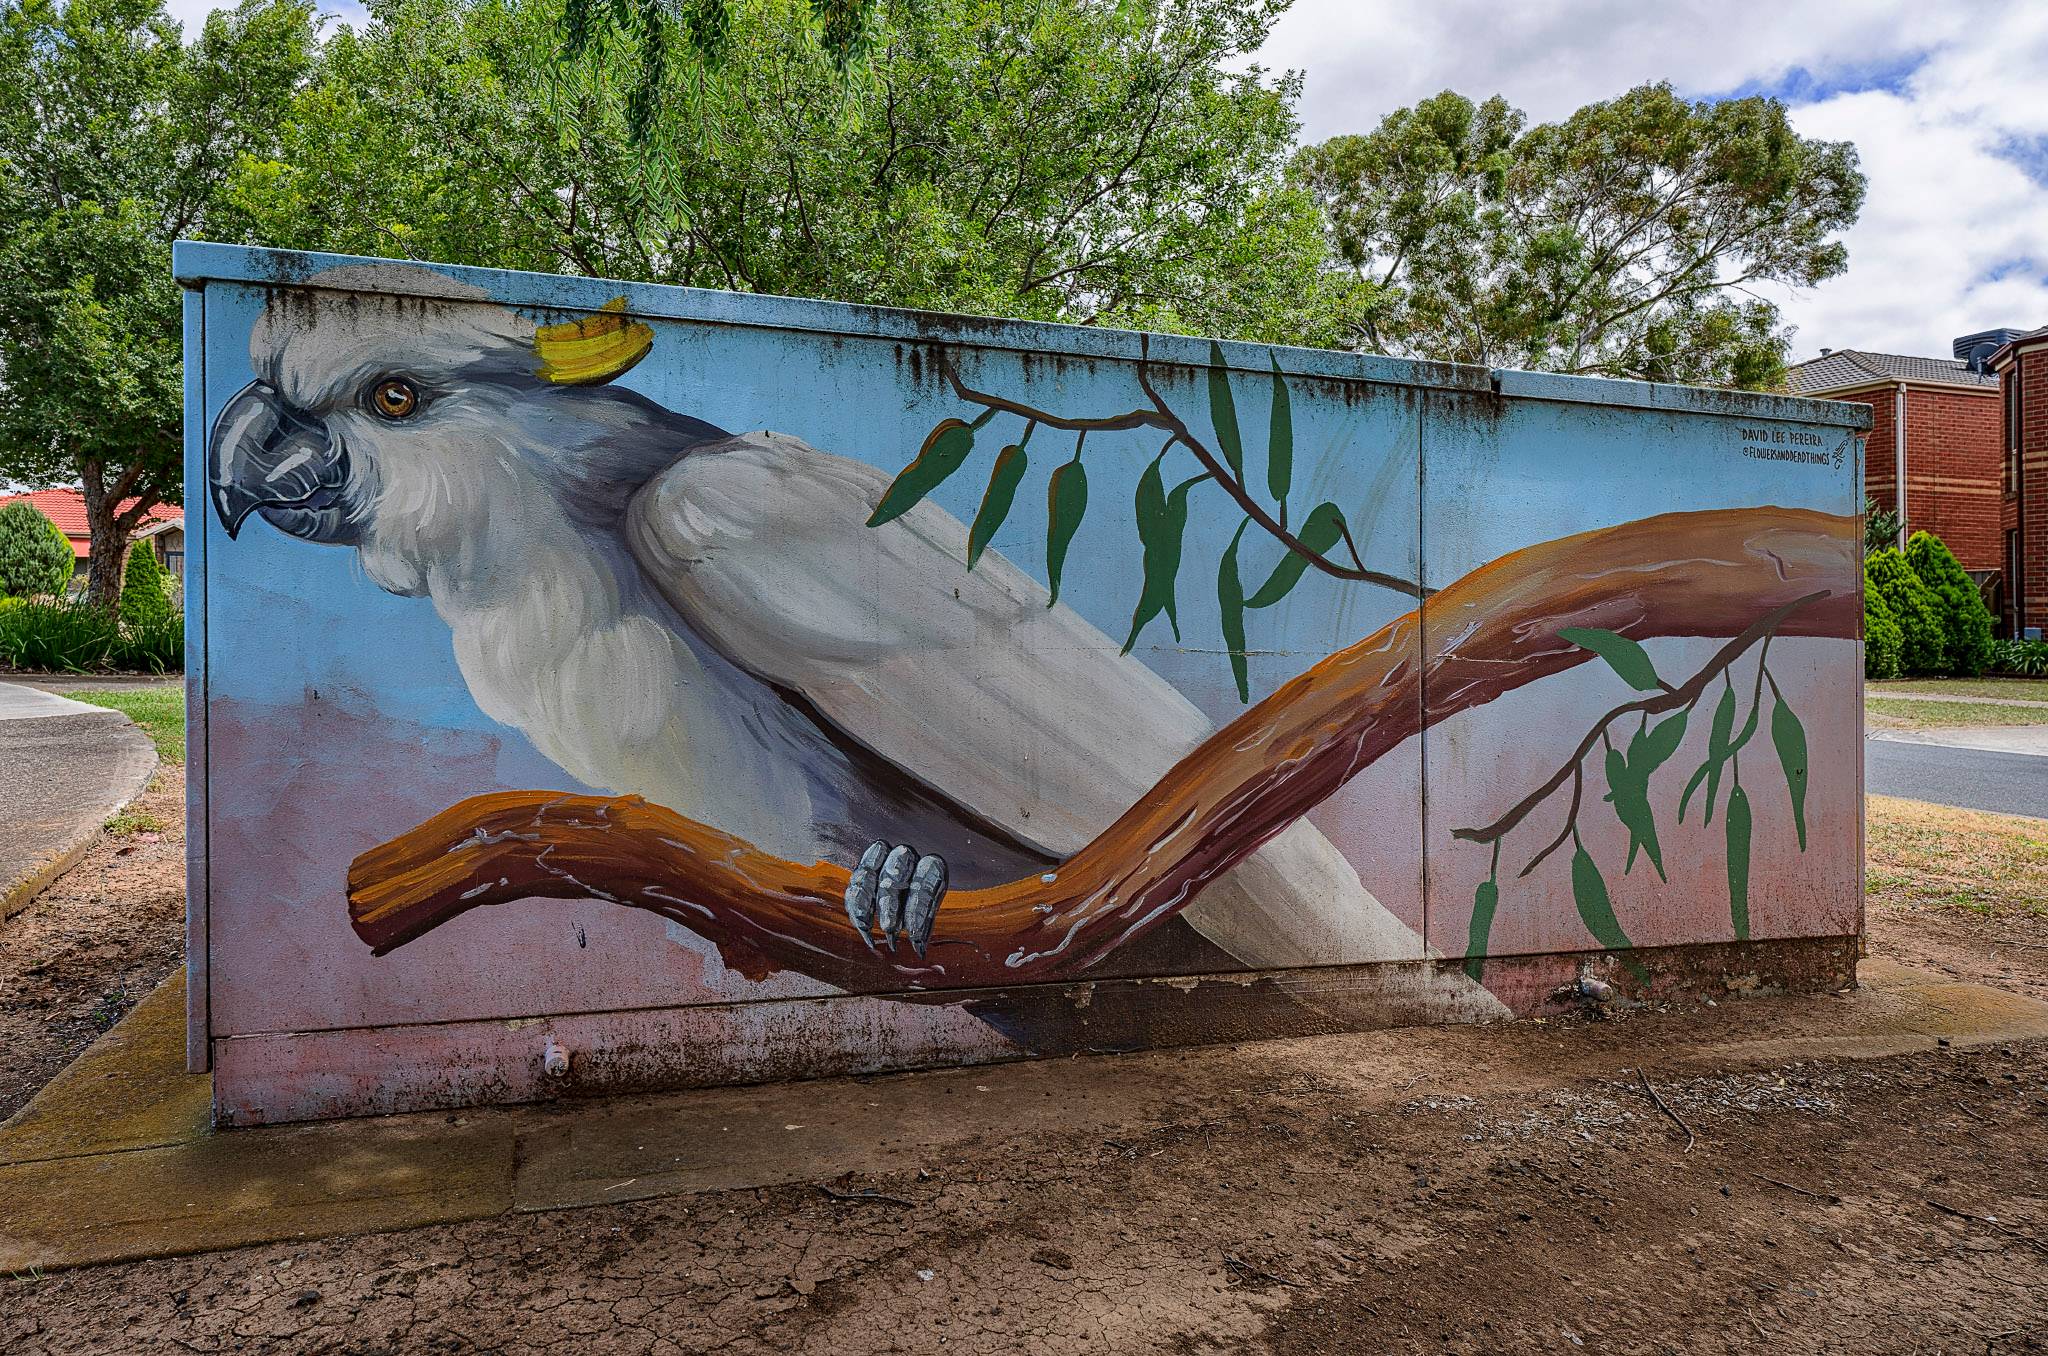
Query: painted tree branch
(1687, 694)
(1690, 574)
(1162, 417)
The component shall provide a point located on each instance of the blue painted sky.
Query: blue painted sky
(286, 616)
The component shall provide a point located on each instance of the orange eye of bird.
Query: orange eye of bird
(395, 399)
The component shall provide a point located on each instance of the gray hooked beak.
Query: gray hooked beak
(266, 454)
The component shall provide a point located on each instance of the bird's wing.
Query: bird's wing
(966, 680)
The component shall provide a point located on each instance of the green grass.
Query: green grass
(128, 823)
(2014, 689)
(1903, 712)
(160, 711)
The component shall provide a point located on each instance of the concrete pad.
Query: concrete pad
(2030, 739)
(129, 1090)
(62, 774)
(18, 701)
(114, 1160)
(721, 1139)
(226, 1190)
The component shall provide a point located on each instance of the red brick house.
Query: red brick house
(1936, 423)
(163, 529)
(2021, 363)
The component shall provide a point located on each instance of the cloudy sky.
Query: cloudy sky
(1945, 101)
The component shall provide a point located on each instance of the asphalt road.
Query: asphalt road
(1975, 779)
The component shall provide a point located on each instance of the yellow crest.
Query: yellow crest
(593, 349)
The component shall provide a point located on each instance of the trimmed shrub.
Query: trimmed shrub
(1882, 638)
(1913, 605)
(143, 600)
(35, 559)
(2023, 658)
(1965, 621)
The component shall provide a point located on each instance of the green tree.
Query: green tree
(116, 137)
(144, 600)
(1880, 527)
(1882, 638)
(1622, 241)
(1046, 159)
(1912, 605)
(1965, 621)
(35, 557)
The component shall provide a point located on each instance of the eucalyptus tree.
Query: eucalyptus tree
(1627, 240)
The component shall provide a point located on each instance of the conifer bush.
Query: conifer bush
(1965, 621)
(1923, 642)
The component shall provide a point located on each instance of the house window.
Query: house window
(174, 561)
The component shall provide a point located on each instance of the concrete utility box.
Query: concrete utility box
(603, 686)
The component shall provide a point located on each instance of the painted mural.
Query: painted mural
(621, 660)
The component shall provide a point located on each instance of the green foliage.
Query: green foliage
(1062, 160)
(1485, 903)
(1628, 775)
(1319, 536)
(1965, 621)
(1788, 736)
(78, 636)
(1596, 909)
(1280, 442)
(1922, 639)
(1066, 503)
(1883, 638)
(2026, 658)
(1738, 830)
(36, 559)
(945, 450)
(1162, 523)
(1011, 464)
(1720, 741)
(144, 600)
(117, 137)
(1880, 527)
(1230, 605)
(1624, 656)
(1623, 241)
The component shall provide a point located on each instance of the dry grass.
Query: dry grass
(1932, 856)
(1904, 713)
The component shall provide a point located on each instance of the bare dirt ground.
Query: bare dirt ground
(102, 936)
(1504, 1197)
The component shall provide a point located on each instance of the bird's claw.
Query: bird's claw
(897, 890)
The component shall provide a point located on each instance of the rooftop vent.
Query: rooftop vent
(1973, 349)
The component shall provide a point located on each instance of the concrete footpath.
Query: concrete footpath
(65, 767)
(115, 1160)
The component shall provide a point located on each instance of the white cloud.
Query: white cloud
(1954, 233)
(191, 14)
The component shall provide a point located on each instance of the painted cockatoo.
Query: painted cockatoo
(707, 620)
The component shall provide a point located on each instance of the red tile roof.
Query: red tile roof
(66, 508)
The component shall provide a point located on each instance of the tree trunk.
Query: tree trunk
(1714, 573)
(109, 543)
(109, 529)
